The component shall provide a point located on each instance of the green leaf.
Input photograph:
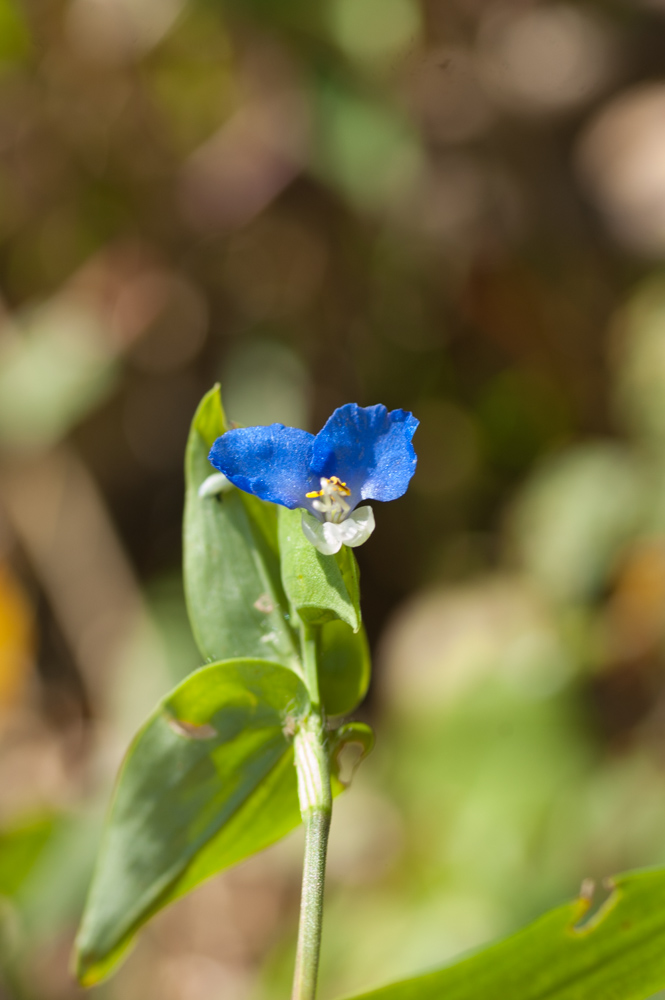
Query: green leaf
(575, 517)
(208, 781)
(60, 366)
(314, 583)
(21, 846)
(352, 734)
(619, 954)
(348, 567)
(344, 667)
(235, 599)
(14, 35)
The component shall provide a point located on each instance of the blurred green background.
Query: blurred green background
(452, 206)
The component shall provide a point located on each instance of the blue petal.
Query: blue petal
(271, 462)
(369, 449)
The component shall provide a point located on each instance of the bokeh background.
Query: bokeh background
(451, 206)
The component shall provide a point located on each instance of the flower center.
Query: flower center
(330, 499)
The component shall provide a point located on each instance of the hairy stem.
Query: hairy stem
(313, 770)
(311, 907)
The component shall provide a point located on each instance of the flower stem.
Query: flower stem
(313, 771)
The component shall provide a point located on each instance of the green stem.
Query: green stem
(313, 770)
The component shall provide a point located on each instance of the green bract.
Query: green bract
(320, 588)
(344, 667)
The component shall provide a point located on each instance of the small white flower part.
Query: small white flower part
(215, 484)
(329, 536)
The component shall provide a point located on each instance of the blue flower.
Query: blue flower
(362, 453)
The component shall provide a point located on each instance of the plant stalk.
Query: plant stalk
(313, 771)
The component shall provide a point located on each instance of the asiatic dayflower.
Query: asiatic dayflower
(361, 453)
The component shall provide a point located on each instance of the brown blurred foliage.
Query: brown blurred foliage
(452, 206)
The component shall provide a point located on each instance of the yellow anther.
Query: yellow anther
(340, 486)
(332, 485)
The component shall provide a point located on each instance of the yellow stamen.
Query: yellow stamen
(340, 486)
(337, 486)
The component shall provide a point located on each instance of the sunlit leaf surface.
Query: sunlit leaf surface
(208, 781)
(619, 954)
(234, 595)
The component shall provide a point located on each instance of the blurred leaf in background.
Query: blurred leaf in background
(14, 34)
(452, 208)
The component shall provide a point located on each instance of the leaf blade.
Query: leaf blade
(187, 806)
(618, 955)
(235, 599)
(344, 667)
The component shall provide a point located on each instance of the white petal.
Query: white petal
(217, 483)
(358, 526)
(328, 537)
(324, 535)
